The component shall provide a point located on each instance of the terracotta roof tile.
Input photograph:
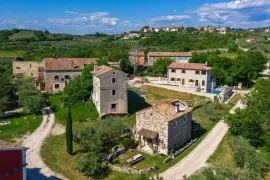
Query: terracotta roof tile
(167, 109)
(136, 53)
(61, 64)
(170, 54)
(148, 133)
(102, 70)
(191, 66)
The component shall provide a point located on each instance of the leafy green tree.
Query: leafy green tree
(125, 66)
(6, 91)
(160, 67)
(29, 96)
(69, 135)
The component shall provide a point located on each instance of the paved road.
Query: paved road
(182, 89)
(198, 157)
(36, 168)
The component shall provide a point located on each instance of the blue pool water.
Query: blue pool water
(214, 92)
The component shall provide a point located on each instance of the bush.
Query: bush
(127, 142)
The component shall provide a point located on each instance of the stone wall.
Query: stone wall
(106, 96)
(51, 82)
(131, 170)
(180, 131)
(151, 120)
(96, 93)
(27, 68)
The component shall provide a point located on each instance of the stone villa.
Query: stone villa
(51, 74)
(182, 57)
(110, 91)
(193, 75)
(164, 127)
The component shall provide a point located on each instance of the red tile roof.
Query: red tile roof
(102, 70)
(136, 53)
(190, 66)
(62, 64)
(170, 54)
(167, 109)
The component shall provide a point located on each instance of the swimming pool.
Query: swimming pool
(214, 92)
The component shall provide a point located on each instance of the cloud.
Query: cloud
(171, 18)
(235, 13)
(31, 22)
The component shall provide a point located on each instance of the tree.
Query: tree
(29, 96)
(125, 65)
(6, 91)
(160, 67)
(69, 136)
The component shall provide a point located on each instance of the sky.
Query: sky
(117, 16)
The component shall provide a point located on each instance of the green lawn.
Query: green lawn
(138, 99)
(229, 55)
(80, 112)
(11, 53)
(19, 126)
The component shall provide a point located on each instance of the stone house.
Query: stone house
(194, 75)
(164, 127)
(52, 74)
(110, 91)
(175, 56)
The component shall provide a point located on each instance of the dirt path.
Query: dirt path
(198, 157)
(36, 168)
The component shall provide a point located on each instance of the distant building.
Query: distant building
(175, 28)
(137, 58)
(175, 56)
(222, 30)
(164, 127)
(251, 40)
(267, 30)
(193, 75)
(52, 74)
(12, 162)
(109, 91)
(131, 35)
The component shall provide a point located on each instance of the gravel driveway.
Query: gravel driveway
(36, 168)
(198, 157)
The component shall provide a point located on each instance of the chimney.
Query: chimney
(95, 67)
(206, 64)
(54, 56)
(176, 108)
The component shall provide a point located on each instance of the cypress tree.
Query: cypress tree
(69, 136)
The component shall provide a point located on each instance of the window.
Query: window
(56, 86)
(184, 71)
(67, 77)
(173, 70)
(178, 79)
(113, 92)
(113, 106)
(184, 120)
(197, 72)
(37, 84)
(191, 80)
(18, 68)
(113, 72)
(172, 79)
(56, 77)
(203, 72)
(30, 65)
(203, 83)
(113, 80)
(31, 74)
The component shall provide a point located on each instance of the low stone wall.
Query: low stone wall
(131, 170)
(178, 152)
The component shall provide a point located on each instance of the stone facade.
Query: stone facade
(52, 74)
(110, 91)
(182, 57)
(173, 127)
(26, 68)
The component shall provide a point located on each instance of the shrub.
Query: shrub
(127, 142)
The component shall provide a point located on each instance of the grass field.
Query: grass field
(229, 55)
(138, 99)
(23, 35)
(11, 53)
(19, 126)
(223, 154)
